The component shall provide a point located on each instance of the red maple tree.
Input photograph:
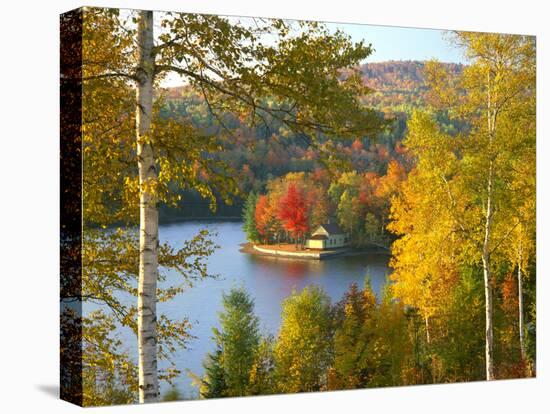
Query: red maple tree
(293, 212)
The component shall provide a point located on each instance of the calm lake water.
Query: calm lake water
(268, 280)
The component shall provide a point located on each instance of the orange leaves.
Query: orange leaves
(389, 184)
(263, 216)
(357, 145)
(509, 291)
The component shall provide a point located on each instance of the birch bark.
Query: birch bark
(488, 282)
(485, 256)
(148, 223)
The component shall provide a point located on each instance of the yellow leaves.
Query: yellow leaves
(424, 259)
(443, 92)
(348, 309)
(149, 186)
(301, 350)
(106, 366)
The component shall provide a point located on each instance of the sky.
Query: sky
(390, 43)
(402, 43)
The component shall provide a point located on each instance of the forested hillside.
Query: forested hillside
(400, 86)
(269, 150)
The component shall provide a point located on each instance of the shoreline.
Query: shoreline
(251, 248)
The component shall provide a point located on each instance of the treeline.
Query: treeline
(294, 205)
(192, 206)
(357, 342)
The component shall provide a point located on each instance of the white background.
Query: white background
(29, 205)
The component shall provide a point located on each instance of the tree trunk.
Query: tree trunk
(427, 323)
(489, 369)
(520, 303)
(485, 256)
(148, 218)
(487, 278)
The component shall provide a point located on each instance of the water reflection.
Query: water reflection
(292, 268)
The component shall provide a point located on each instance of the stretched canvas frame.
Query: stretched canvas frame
(330, 203)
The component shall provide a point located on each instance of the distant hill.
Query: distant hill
(403, 75)
(399, 85)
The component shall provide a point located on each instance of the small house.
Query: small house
(327, 236)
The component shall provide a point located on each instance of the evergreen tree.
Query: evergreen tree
(249, 218)
(354, 331)
(240, 339)
(237, 342)
(173, 394)
(461, 347)
(213, 383)
(389, 353)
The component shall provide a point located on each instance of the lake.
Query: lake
(268, 280)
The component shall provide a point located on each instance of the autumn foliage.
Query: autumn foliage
(292, 211)
(297, 203)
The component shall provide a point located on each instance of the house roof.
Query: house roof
(318, 237)
(332, 228)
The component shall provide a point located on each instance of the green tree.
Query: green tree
(372, 227)
(237, 342)
(353, 334)
(213, 383)
(346, 181)
(303, 348)
(173, 394)
(249, 218)
(460, 347)
(389, 354)
(348, 216)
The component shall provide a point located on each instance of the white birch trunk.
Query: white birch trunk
(485, 256)
(487, 279)
(148, 219)
(427, 323)
(489, 368)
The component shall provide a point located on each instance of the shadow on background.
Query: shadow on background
(49, 389)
